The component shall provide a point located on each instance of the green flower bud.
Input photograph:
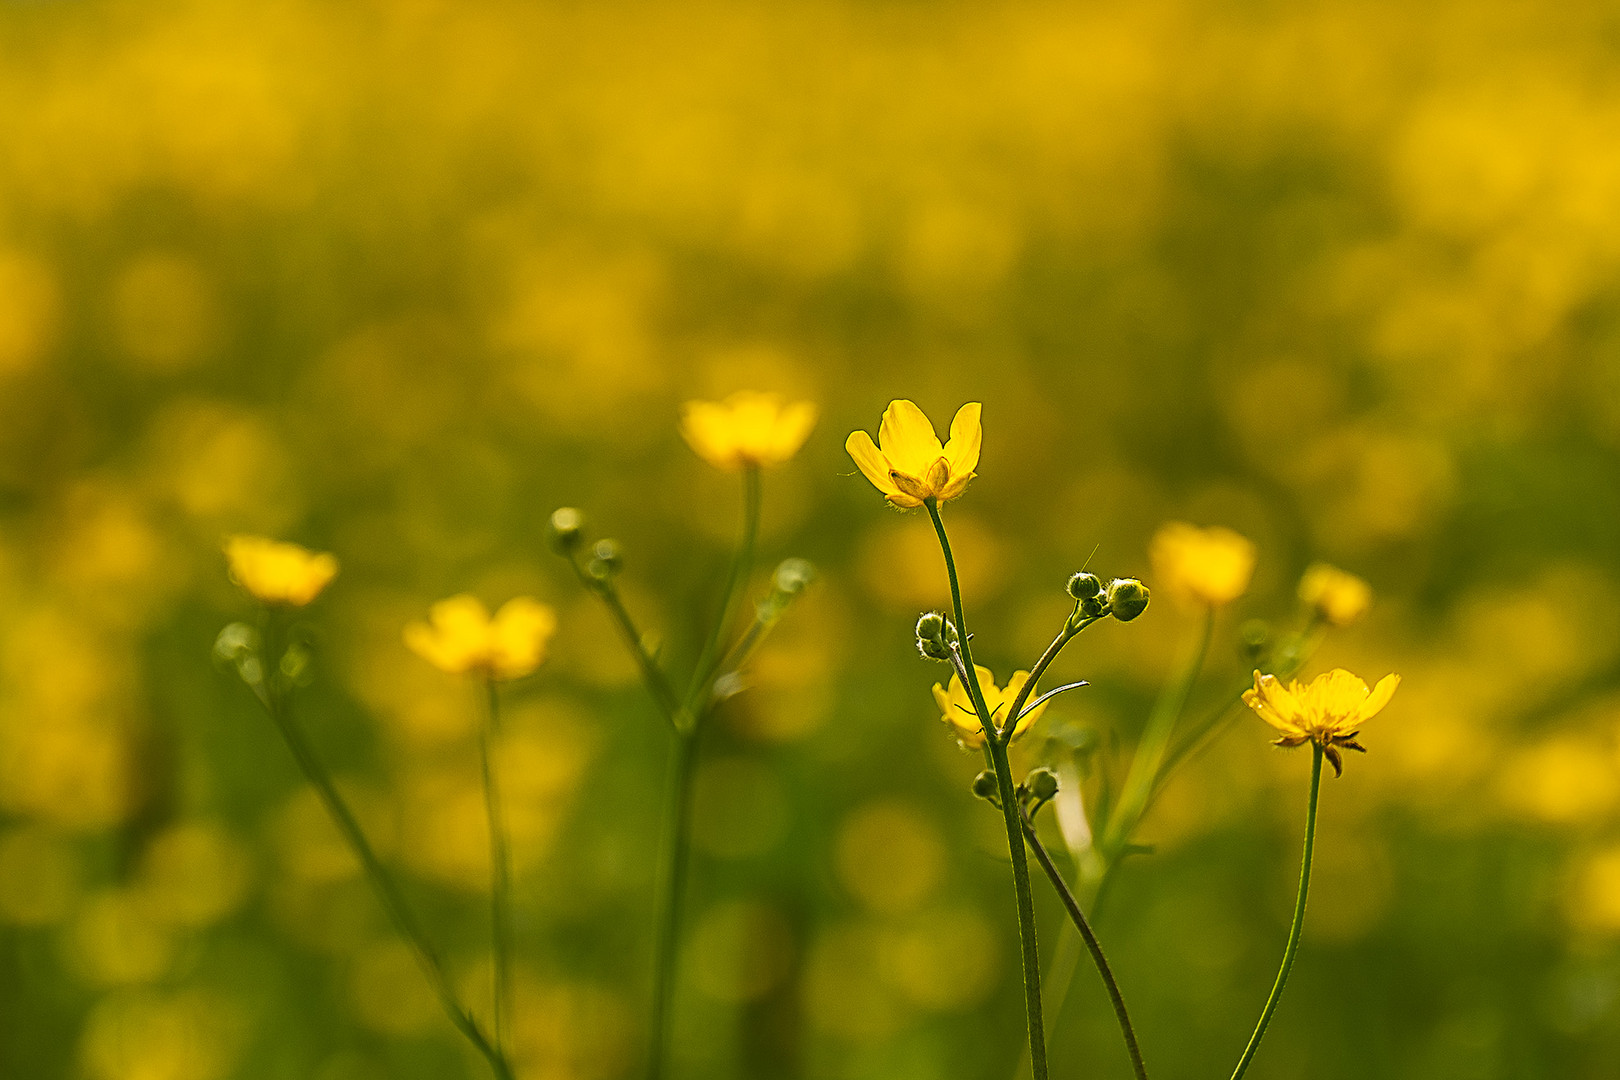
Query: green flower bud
(985, 785)
(793, 576)
(1042, 784)
(1084, 586)
(934, 636)
(565, 530)
(606, 560)
(1127, 598)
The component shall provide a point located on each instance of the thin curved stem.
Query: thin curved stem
(964, 642)
(388, 892)
(996, 748)
(500, 886)
(652, 676)
(1093, 946)
(1299, 922)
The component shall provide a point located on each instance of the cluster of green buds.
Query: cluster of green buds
(1039, 787)
(240, 648)
(1123, 598)
(566, 534)
(937, 639)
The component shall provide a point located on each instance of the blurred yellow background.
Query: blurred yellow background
(394, 279)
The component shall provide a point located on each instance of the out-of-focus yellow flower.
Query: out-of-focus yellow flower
(1207, 566)
(276, 572)
(911, 465)
(459, 636)
(1337, 597)
(748, 428)
(956, 707)
(1329, 711)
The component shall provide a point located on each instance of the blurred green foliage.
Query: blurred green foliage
(395, 279)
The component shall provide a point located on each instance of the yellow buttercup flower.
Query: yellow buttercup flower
(1337, 597)
(1206, 566)
(459, 636)
(276, 572)
(911, 465)
(747, 428)
(1328, 711)
(956, 707)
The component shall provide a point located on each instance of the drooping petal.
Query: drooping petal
(1275, 705)
(908, 439)
(870, 460)
(966, 436)
(1378, 698)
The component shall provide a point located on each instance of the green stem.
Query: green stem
(1299, 921)
(965, 644)
(1150, 752)
(1092, 945)
(1026, 907)
(388, 893)
(671, 892)
(996, 748)
(678, 796)
(663, 694)
(500, 892)
(741, 564)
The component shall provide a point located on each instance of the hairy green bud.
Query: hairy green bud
(985, 785)
(1127, 598)
(1084, 586)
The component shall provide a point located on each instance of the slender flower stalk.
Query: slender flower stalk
(1299, 921)
(276, 700)
(500, 869)
(687, 720)
(996, 749)
(1078, 918)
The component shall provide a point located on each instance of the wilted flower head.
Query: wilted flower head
(911, 465)
(1337, 597)
(1206, 566)
(956, 707)
(277, 572)
(459, 636)
(748, 428)
(1328, 711)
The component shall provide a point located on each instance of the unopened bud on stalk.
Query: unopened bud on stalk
(1042, 784)
(934, 636)
(566, 530)
(1084, 586)
(985, 786)
(792, 576)
(606, 560)
(1127, 598)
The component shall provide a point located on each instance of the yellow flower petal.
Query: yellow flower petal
(1378, 698)
(870, 460)
(748, 428)
(908, 439)
(967, 433)
(276, 572)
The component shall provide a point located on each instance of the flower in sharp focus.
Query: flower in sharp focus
(459, 636)
(1334, 596)
(277, 572)
(908, 464)
(747, 429)
(1328, 711)
(1205, 566)
(956, 707)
